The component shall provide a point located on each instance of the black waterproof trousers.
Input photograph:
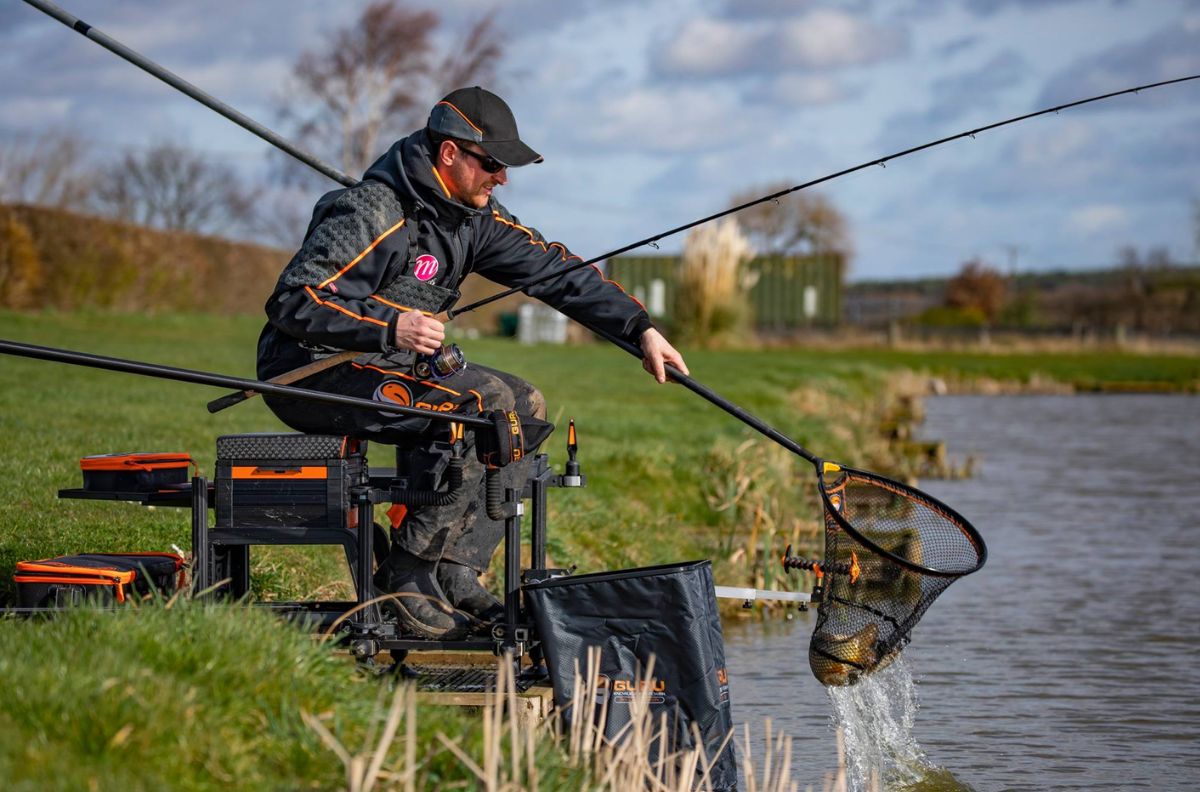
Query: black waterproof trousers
(462, 531)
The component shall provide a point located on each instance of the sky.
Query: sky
(653, 114)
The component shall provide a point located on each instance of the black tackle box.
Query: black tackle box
(104, 577)
(288, 480)
(135, 472)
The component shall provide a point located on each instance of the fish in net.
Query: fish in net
(890, 551)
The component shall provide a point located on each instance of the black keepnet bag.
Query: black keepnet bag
(666, 612)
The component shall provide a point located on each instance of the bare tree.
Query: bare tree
(173, 188)
(47, 170)
(978, 287)
(378, 77)
(802, 223)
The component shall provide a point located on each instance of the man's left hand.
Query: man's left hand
(657, 352)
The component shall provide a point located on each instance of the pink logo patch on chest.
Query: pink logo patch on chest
(426, 267)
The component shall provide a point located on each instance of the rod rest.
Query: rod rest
(402, 489)
(493, 499)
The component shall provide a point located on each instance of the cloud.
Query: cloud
(957, 46)
(665, 120)
(821, 39)
(830, 38)
(988, 7)
(14, 17)
(34, 112)
(807, 89)
(706, 47)
(1055, 147)
(1172, 51)
(1098, 218)
(955, 95)
(958, 95)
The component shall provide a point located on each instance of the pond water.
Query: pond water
(1069, 662)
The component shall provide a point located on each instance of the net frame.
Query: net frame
(846, 474)
(874, 595)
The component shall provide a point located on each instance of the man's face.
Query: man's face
(465, 176)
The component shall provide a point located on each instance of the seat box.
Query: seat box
(288, 481)
(103, 577)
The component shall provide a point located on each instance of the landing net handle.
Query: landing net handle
(906, 548)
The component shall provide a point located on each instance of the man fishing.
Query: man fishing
(379, 262)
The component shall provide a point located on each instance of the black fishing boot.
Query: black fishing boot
(462, 587)
(420, 604)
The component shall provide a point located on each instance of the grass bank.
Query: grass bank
(196, 697)
(205, 698)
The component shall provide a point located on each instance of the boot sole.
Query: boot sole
(395, 604)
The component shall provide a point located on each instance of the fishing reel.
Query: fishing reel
(446, 362)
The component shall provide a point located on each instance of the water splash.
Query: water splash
(876, 718)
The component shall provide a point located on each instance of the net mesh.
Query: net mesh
(890, 550)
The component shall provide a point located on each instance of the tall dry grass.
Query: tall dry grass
(510, 758)
(711, 308)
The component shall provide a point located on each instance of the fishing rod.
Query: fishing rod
(177, 82)
(274, 139)
(223, 381)
(881, 161)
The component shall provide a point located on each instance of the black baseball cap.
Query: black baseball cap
(480, 116)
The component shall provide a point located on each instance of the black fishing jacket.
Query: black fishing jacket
(396, 242)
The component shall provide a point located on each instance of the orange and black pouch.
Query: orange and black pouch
(96, 577)
(135, 473)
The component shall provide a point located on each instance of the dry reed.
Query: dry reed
(710, 302)
(636, 758)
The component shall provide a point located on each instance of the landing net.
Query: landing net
(890, 551)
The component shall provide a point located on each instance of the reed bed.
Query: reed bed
(513, 754)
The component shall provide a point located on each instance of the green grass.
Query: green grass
(196, 698)
(651, 453)
(210, 697)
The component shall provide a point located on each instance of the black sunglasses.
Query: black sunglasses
(488, 163)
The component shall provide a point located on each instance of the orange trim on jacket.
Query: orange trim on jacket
(360, 256)
(565, 257)
(336, 307)
(441, 183)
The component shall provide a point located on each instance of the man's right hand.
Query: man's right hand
(418, 332)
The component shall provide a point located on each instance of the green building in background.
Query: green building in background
(789, 292)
